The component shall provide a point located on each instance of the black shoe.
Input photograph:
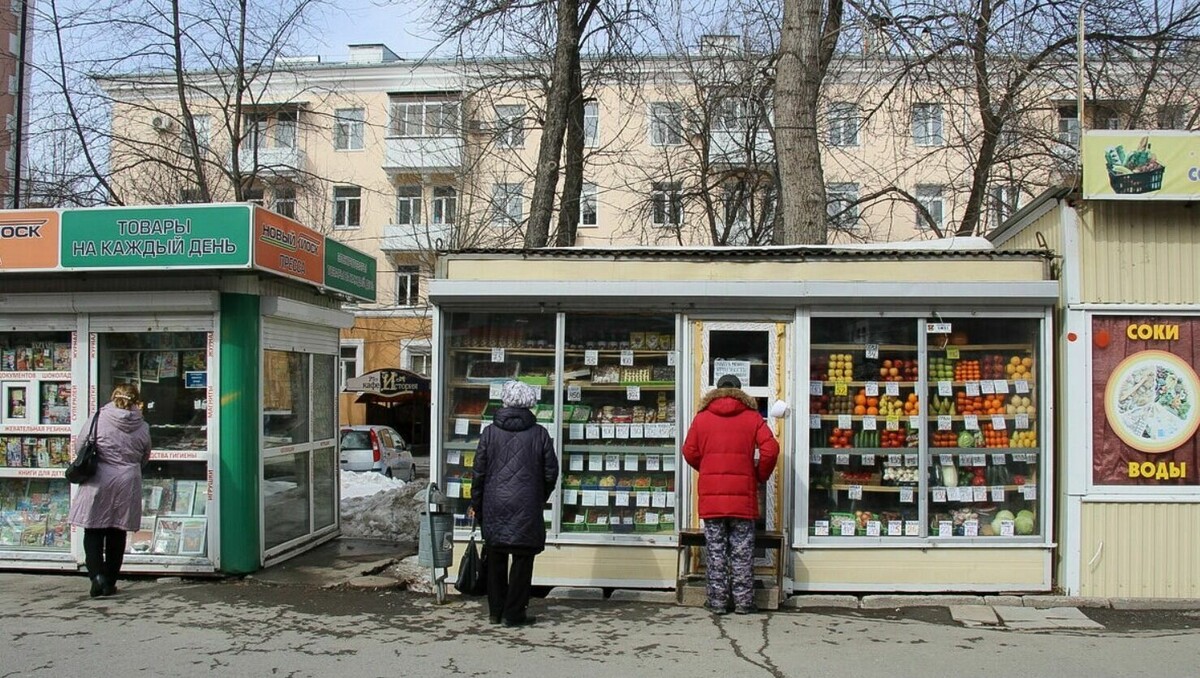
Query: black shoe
(749, 609)
(109, 589)
(524, 621)
(98, 584)
(716, 610)
(494, 618)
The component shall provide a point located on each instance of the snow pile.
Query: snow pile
(388, 511)
(366, 483)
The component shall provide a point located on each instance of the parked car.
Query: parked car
(377, 448)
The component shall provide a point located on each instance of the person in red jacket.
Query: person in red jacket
(720, 445)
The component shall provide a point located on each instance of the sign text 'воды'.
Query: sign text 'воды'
(1146, 332)
(1161, 471)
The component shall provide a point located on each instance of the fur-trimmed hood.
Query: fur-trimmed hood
(736, 393)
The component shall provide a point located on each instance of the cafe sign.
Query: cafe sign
(387, 383)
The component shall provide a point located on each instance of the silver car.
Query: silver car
(377, 448)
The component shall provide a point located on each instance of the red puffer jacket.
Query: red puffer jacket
(720, 445)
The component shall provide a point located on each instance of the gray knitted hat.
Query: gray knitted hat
(518, 394)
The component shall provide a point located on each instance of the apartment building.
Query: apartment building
(14, 94)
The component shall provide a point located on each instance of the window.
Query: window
(1068, 126)
(510, 126)
(285, 202)
(591, 124)
(424, 117)
(587, 205)
(841, 205)
(408, 205)
(285, 129)
(347, 206)
(666, 204)
(445, 204)
(348, 129)
(418, 359)
(507, 206)
(666, 124)
(254, 196)
(927, 125)
(730, 115)
(203, 126)
(256, 130)
(843, 123)
(350, 360)
(408, 285)
(930, 197)
(1172, 116)
(1004, 203)
(1106, 117)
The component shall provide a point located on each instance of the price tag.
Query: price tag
(593, 431)
(453, 457)
(631, 462)
(626, 358)
(944, 422)
(652, 462)
(914, 422)
(816, 388)
(821, 528)
(912, 528)
(601, 520)
(643, 499)
(612, 462)
(979, 493)
(453, 490)
(668, 462)
(633, 392)
(1001, 386)
(621, 498)
(497, 355)
(589, 499)
(868, 422)
(945, 528)
(952, 353)
(937, 328)
(595, 462)
(1022, 422)
(945, 459)
(1021, 386)
(971, 422)
(814, 421)
(873, 528)
(846, 529)
(814, 458)
(1006, 528)
(844, 421)
(872, 351)
(910, 460)
(608, 431)
(893, 422)
(495, 391)
(998, 459)
(575, 432)
(970, 528)
(670, 358)
(972, 388)
(987, 388)
(855, 492)
(637, 431)
(872, 388)
(591, 357)
(571, 497)
(1029, 492)
(999, 423)
(892, 460)
(622, 431)
(892, 388)
(945, 388)
(841, 389)
(868, 460)
(997, 493)
(461, 426)
(895, 528)
(843, 459)
(939, 494)
(906, 495)
(537, 393)
(579, 519)
(658, 499)
(574, 394)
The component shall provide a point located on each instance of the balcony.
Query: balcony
(268, 161)
(416, 237)
(740, 148)
(423, 154)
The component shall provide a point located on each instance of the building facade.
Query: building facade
(14, 91)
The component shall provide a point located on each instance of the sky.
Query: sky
(397, 24)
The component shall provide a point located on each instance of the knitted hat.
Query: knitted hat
(518, 394)
(729, 381)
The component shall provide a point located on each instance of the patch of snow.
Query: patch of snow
(365, 483)
(391, 513)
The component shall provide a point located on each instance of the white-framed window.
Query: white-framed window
(417, 356)
(731, 115)
(348, 126)
(255, 196)
(445, 204)
(1068, 126)
(927, 125)
(350, 362)
(408, 285)
(1004, 198)
(424, 117)
(932, 199)
(203, 126)
(666, 204)
(591, 124)
(285, 201)
(347, 206)
(285, 129)
(507, 204)
(587, 205)
(408, 205)
(841, 205)
(510, 125)
(844, 120)
(666, 124)
(257, 125)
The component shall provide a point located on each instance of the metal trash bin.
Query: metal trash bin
(435, 542)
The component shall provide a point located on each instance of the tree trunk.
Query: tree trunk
(973, 214)
(568, 216)
(558, 98)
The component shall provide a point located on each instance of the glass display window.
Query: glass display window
(33, 514)
(175, 503)
(484, 351)
(619, 456)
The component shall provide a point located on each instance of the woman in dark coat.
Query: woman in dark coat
(515, 472)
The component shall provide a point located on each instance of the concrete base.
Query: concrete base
(1155, 603)
(1013, 601)
(816, 600)
(638, 596)
(374, 582)
(693, 594)
(1043, 602)
(883, 602)
(575, 593)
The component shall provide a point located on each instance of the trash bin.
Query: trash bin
(435, 541)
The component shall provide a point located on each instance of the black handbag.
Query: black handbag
(84, 465)
(472, 571)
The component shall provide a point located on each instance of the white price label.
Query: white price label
(843, 459)
(453, 490)
(670, 358)
(575, 462)
(987, 387)
(453, 457)
(944, 422)
(892, 460)
(621, 498)
(872, 351)
(622, 431)
(1021, 386)
(939, 494)
(461, 426)
(868, 460)
(997, 493)
(906, 495)
(1001, 386)
(816, 388)
(576, 432)
(979, 493)
(869, 422)
(643, 499)
(945, 528)
(999, 423)
(937, 328)
(914, 422)
(591, 357)
(972, 388)
(945, 388)
(844, 421)
(814, 421)
(571, 497)
(893, 422)
(1029, 492)
(821, 528)
(633, 392)
(872, 388)
(495, 391)
(895, 528)
(593, 431)
(910, 460)
(637, 431)
(608, 431)
(658, 499)
(595, 462)
(846, 529)
(1006, 528)
(612, 462)
(668, 462)
(653, 462)
(970, 528)
(670, 500)
(945, 459)
(589, 498)
(497, 355)
(574, 394)
(631, 462)
(855, 491)
(627, 358)
(814, 458)
(892, 388)
(912, 528)
(971, 422)
(998, 459)
(873, 528)
(1022, 422)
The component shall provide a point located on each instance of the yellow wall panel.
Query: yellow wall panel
(1140, 252)
(565, 563)
(922, 569)
(1140, 550)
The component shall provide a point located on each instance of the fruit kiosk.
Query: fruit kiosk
(226, 317)
(1129, 242)
(916, 457)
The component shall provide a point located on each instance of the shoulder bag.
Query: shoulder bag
(84, 465)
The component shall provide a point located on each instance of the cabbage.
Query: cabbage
(1024, 523)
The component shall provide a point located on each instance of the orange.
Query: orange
(859, 409)
(860, 399)
(872, 410)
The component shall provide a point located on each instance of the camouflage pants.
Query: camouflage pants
(730, 547)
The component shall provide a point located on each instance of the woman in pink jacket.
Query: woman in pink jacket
(109, 504)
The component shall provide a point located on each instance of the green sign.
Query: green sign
(205, 236)
(350, 271)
